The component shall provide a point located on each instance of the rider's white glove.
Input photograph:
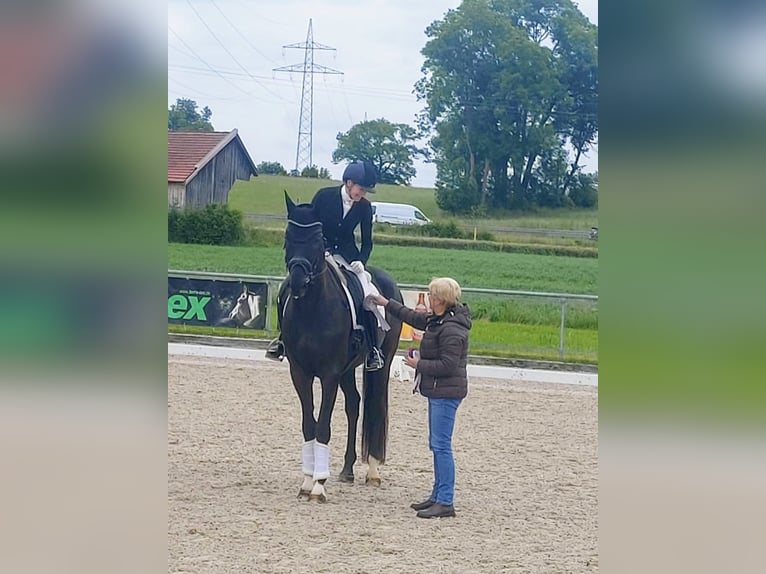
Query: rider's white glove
(356, 266)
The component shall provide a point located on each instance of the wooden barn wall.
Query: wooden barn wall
(213, 182)
(176, 195)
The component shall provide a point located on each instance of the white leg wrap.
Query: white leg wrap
(307, 457)
(321, 461)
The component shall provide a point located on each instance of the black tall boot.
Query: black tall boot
(375, 359)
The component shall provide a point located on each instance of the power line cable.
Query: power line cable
(217, 39)
(240, 33)
(203, 94)
(216, 72)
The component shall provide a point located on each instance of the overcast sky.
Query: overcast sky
(221, 54)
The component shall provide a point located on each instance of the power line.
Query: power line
(240, 33)
(198, 57)
(390, 94)
(213, 34)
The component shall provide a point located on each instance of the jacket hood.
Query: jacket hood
(459, 314)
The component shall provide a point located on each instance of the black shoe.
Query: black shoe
(276, 350)
(437, 510)
(375, 360)
(422, 505)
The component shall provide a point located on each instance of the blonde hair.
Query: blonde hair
(446, 289)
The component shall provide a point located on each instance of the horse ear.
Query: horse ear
(288, 202)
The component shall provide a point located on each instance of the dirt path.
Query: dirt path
(526, 491)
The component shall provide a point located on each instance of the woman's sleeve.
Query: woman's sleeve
(414, 318)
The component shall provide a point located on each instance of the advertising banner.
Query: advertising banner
(217, 303)
(417, 300)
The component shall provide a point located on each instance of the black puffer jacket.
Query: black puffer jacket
(443, 350)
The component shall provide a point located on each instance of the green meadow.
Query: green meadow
(264, 195)
(508, 327)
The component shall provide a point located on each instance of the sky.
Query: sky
(222, 53)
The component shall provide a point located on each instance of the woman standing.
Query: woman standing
(441, 374)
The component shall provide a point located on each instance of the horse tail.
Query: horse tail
(375, 414)
(375, 385)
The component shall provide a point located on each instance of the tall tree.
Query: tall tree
(388, 146)
(184, 117)
(506, 84)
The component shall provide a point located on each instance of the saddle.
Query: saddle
(352, 288)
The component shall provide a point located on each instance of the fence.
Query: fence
(537, 307)
(531, 231)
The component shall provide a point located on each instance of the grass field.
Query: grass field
(418, 265)
(516, 327)
(264, 195)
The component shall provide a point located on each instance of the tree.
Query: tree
(271, 168)
(184, 117)
(315, 172)
(387, 145)
(509, 86)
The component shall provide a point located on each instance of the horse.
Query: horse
(318, 336)
(246, 309)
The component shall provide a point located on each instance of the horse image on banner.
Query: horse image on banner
(319, 340)
(246, 309)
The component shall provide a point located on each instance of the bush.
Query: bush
(584, 197)
(212, 225)
(443, 229)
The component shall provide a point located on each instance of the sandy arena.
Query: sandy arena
(526, 491)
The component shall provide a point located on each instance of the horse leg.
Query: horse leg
(303, 386)
(322, 444)
(351, 394)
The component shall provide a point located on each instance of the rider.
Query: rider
(341, 209)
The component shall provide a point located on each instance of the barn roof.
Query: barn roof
(188, 152)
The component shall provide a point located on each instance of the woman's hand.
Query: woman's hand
(377, 299)
(412, 361)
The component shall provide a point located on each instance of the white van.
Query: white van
(397, 214)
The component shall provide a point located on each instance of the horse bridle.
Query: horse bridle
(307, 266)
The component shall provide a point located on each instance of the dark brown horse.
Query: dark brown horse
(317, 331)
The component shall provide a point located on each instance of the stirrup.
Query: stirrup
(375, 360)
(276, 350)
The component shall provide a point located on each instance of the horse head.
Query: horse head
(304, 246)
(246, 310)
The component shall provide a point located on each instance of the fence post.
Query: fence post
(561, 332)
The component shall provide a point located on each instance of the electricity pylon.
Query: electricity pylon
(303, 154)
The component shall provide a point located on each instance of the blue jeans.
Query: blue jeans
(441, 422)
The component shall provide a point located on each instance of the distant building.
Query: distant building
(203, 166)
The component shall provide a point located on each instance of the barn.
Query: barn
(203, 166)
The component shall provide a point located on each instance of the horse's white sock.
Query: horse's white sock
(372, 468)
(307, 457)
(321, 461)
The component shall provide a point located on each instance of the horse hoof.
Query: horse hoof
(372, 481)
(346, 478)
(317, 498)
(304, 494)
